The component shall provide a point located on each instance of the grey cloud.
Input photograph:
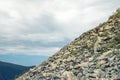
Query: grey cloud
(44, 26)
(4, 14)
(33, 43)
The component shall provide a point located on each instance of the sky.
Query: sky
(36, 29)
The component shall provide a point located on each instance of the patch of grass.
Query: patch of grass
(75, 52)
(117, 39)
(116, 15)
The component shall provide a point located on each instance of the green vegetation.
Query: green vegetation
(116, 15)
(117, 39)
(74, 52)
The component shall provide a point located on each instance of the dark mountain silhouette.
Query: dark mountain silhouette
(8, 71)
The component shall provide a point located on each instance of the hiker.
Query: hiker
(97, 29)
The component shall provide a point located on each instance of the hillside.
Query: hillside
(8, 71)
(95, 54)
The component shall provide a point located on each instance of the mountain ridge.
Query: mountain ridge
(8, 71)
(95, 54)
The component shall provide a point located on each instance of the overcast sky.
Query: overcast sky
(42, 27)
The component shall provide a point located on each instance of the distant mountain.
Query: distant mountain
(8, 71)
(95, 55)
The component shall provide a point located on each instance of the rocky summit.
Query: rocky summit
(93, 55)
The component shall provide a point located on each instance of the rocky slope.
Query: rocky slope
(95, 54)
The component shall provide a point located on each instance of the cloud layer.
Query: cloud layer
(42, 27)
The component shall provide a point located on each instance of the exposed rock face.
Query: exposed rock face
(95, 54)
